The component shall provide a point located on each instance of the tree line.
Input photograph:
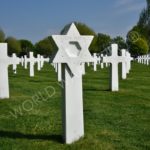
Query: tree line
(137, 40)
(23, 46)
(47, 46)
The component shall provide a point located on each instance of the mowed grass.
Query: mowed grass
(31, 118)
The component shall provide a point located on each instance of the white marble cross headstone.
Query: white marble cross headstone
(5, 61)
(22, 61)
(124, 68)
(106, 64)
(15, 62)
(95, 59)
(88, 64)
(139, 59)
(32, 61)
(72, 52)
(147, 59)
(114, 59)
(143, 60)
(128, 63)
(25, 61)
(38, 62)
(102, 64)
(42, 61)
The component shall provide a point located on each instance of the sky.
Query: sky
(36, 19)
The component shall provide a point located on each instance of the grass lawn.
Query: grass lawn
(31, 118)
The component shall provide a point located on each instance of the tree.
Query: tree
(26, 47)
(144, 22)
(13, 45)
(148, 11)
(144, 19)
(103, 41)
(121, 42)
(84, 30)
(2, 36)
(45, 47)
(139, 47)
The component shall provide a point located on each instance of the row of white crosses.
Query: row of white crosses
(5, 61)
(14, 65)
(97, 60)
(145, 59)
(125, 59)
(32, 60)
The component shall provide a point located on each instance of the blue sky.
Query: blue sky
(36, 19)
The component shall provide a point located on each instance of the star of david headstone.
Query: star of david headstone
(73, 49)
(72, 53)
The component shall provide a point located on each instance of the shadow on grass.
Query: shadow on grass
(96, 89)
(18, 135)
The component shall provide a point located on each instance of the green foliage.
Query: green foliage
(144, 23)
(45, 47)
(143, 18)
(100, 41)
(121, 42)
(13, 45)
(139, 47)
(84, 30)
(26, 47)
(2, 36)
(103, 41)
(148, 8)
(94, 47)
(145, 15)
(144, 32)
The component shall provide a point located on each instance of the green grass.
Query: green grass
(29, 120)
